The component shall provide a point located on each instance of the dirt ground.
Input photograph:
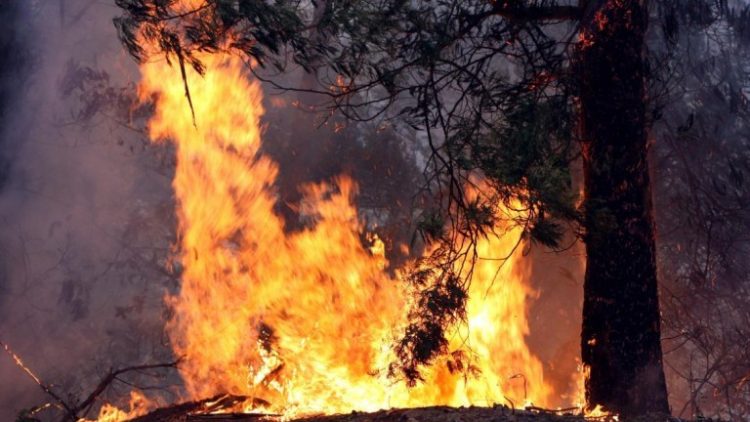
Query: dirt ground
(427, 414)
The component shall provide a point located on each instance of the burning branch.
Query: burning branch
(46, 388)
(86, 404)
(205, 409)
(73, 412)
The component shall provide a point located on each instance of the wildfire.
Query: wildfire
(138, 406)
(305, 321)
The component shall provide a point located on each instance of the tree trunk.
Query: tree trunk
(620, 342)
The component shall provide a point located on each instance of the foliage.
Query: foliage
(255, 28)
(441, 302)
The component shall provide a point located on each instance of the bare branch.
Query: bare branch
(71, 412)
(112, 376)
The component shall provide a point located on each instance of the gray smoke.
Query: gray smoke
(85, 208)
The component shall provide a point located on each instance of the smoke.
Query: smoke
(85, 208)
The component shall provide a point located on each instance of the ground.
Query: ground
(427, 414)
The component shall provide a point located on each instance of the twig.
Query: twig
(181, 61)
(568, 411)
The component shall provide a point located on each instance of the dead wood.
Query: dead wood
(230, 417)
(448, 414)
(197, 412)
(193, 412)
(108, 379)
(201, 410)
(59, 402)
(74, 412)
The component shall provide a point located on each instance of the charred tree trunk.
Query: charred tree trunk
(620, 341)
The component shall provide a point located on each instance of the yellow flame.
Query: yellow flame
(306, 320)
(598, 413)
(138, 406)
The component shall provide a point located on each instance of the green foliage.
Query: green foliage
(526, 156)
(441, 303)
(545, 232)
(431, 226)
(258, 29)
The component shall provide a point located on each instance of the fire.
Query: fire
(138, 406)
(598, 413)
(305, 321)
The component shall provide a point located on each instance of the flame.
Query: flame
(138, 405)
(598, 413)
(498, 324)
(305, 321)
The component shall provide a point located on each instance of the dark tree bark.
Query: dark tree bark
(14, 71)
(620, 341)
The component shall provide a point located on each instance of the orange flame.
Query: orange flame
(306, 320)
(138, 406)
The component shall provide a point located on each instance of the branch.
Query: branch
(71, 412)
(112, 376)
(206, 407)
(181, 61)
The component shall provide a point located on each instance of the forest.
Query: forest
(374, 210)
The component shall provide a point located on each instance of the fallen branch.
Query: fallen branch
(568, 411)
(229, 417)
(201, 409)
(112, 376)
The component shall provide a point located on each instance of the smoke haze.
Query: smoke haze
(85, 209)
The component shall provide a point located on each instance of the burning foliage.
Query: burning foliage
(440, 306)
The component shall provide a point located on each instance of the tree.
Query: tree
(514, 92)
(14, 65)
(620, 341)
